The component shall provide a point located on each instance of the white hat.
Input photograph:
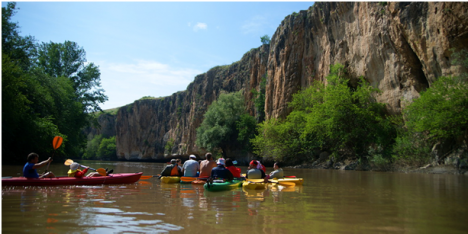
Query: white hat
(74, 166)
(193, 156)
(220, 161)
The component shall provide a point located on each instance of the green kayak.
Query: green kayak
(222, 186)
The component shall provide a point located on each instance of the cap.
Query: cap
(254, 162)
(74, 166)
(173, 161)
(192, 156)
(220, 161)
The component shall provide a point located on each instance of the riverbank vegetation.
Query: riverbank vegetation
(48, 89)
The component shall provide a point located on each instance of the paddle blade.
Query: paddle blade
(146, 177)
(57, 142)
(68, 162)
(293, 176)
(101, 171)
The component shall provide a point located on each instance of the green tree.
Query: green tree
(219, 126)
(107, 149)
(92, 147)
(336, 117)
(68, 60)
(265, 40)
(259, 99)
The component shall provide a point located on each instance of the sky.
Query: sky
(153, 48)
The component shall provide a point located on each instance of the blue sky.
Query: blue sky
(154, 48)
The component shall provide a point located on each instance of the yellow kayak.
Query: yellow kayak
(297, 181)
(248, 184)
(170, 179)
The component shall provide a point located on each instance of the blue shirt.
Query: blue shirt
(221, 172)
(191, 167)
(29, 171)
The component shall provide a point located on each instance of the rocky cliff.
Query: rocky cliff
(400, 48)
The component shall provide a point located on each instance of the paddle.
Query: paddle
(148, 177)
(101, 171)
(56, 143)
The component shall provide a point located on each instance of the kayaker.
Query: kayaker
(236, 172)
(253, 172)
(77, 173)
(179, 163)
(207, 165)
(278, 172)
(220, 172)
(191, 166)
(29, 169)
(172, 169)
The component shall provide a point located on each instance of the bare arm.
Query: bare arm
(41, 164)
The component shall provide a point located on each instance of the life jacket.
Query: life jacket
(175, 171)
(71, 173)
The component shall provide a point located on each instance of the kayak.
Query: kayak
(199, 182)
(297, 181)
(222, 186)
(170, 179)
(120, 178)
(187, 179)
(254, 185)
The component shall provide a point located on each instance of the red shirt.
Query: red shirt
(80, 174)
(236, 172)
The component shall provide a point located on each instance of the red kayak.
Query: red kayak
(121, 178)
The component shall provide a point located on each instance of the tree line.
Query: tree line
(346, 121)
(48, 89)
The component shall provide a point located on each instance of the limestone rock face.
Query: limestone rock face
(400, 48)
(144, 128)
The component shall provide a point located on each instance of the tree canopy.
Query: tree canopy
(47, 90)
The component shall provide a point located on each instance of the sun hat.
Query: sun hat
(220, 161)
(74, 166)
(193, 156)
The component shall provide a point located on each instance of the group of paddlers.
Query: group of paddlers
(221, 169)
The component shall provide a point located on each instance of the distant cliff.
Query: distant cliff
(400, 48)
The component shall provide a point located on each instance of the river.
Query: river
(329, 201)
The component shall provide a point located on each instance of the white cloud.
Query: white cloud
(125, 83)
(254, 25)
(200, 26)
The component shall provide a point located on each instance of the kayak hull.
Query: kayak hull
(254, 185)
(297, 181)
(222, 186)
(170, 179)
(120, 178)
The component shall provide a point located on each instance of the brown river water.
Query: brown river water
(329, 201)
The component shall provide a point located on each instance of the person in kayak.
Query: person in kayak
(29, 169)
(207, 165)
(220, 172)
(77, 173)
(179, 164)
(253, 172)
(236, 172)
(278, 172)
(172, 169)
(191, 166)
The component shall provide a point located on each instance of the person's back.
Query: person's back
(236, 172)
(278, 172)
(172, 170)
(254, 172)
(191, 167)
(220, 172)
(207, 165)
